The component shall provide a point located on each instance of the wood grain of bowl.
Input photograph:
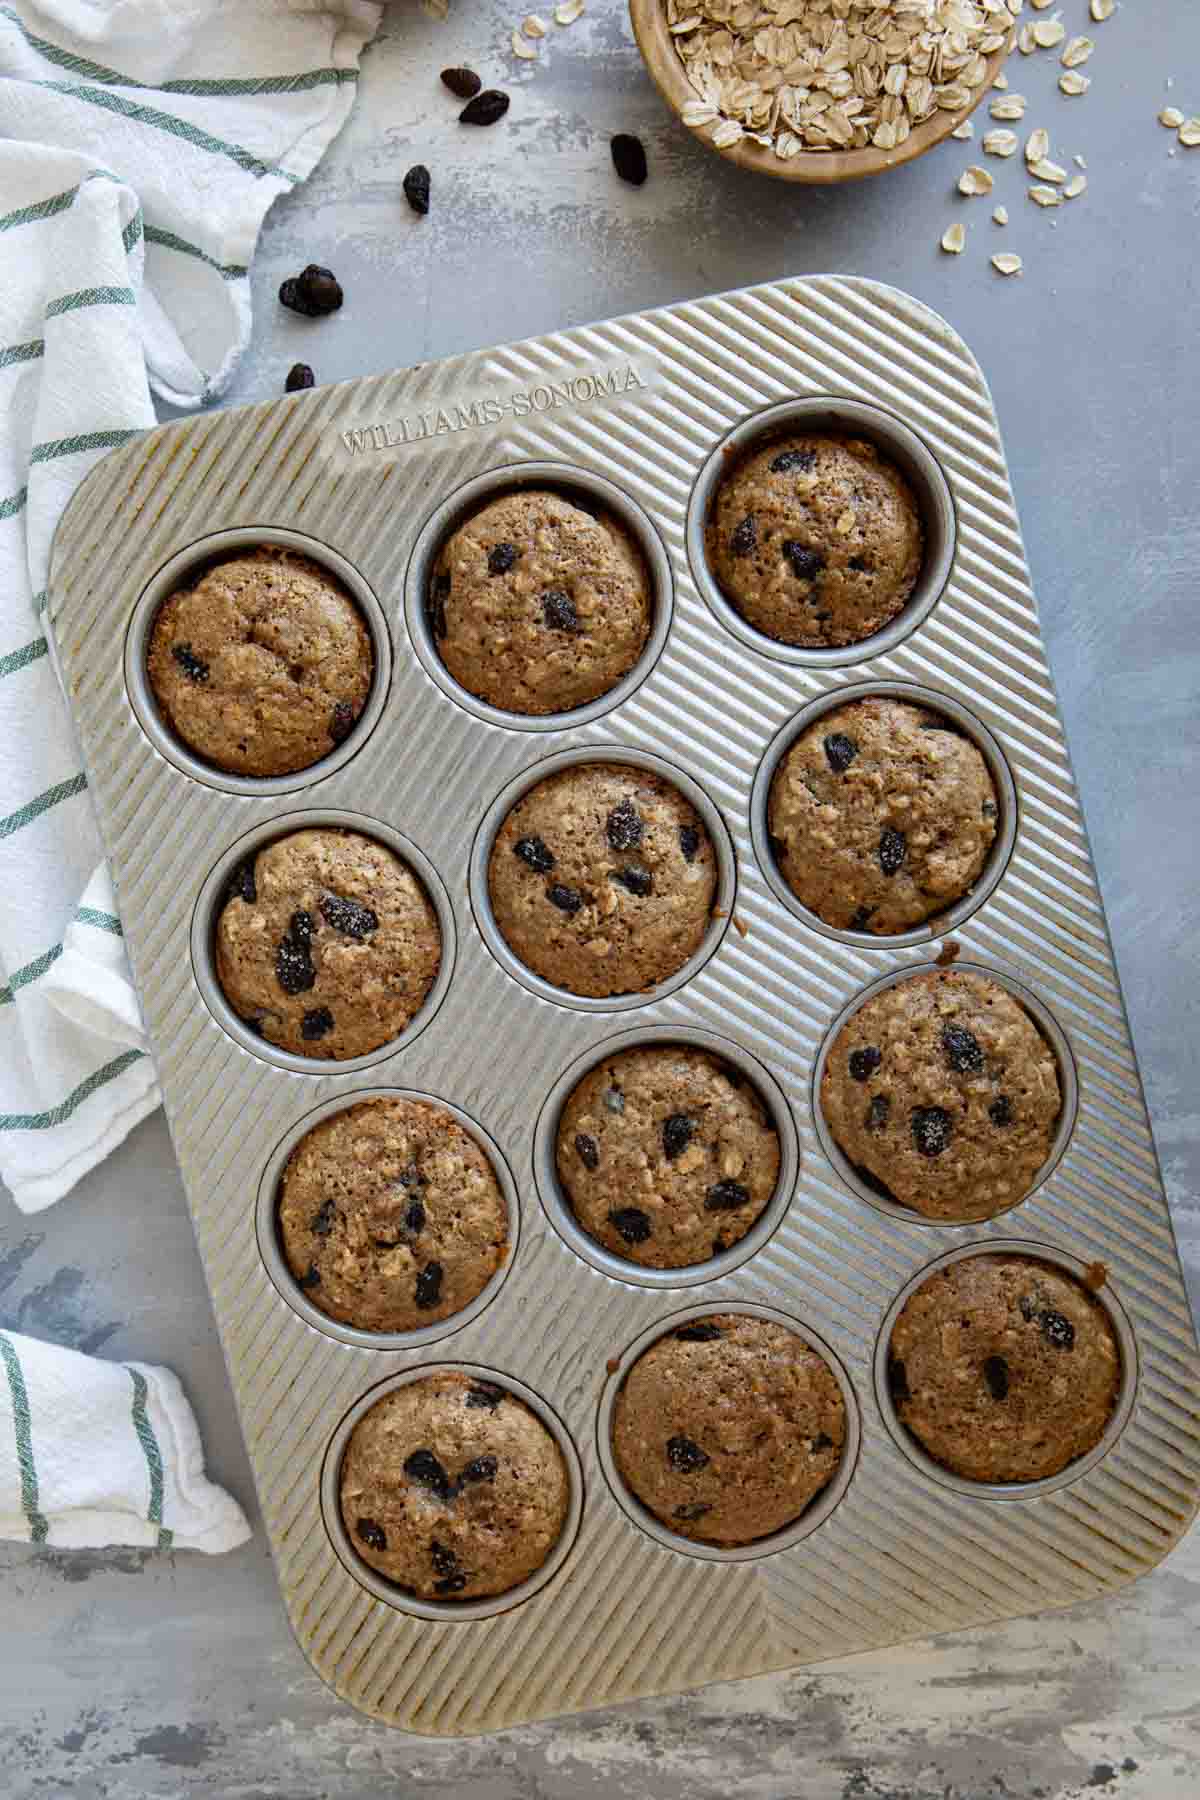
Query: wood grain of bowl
(649, 20)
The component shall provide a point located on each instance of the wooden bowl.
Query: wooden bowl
(649, 20)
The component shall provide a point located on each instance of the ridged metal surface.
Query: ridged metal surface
(901, 1556)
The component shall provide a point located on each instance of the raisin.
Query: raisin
(439, 593)
(840, 751)
(485, 108)
(343, 721)
(323, 1218)
(629, 158)
(533, 851)
(995, 1373)
(501, 558)
(822, 1441)
(348, 916)
(858, 564)
(194, 667)
(451, 1584)
(586, 1150)
(316, 1022)
(931, 1129)
(558, 611)
(416, 188)
(702, 1332)
(863, 1063)
(637, 880)
(414, 1217)
(443, 1558)
(311, 1277)
(241, 883)
(464, 84)
(990, 810)
(689, 842)
(429, 1285)
(862, 918)
(1000, 1111)
(806, 564)
(677, 1134)
(788, 460)
(897, 1376)
(962, 1050)
(423, 1468)
(1056, 1330)
(684, 1455)
(631, 1224)
(371, 1534)
(893, 848)
(744, 537)
(567, 899)
(485, 1394)
(624, 827)
(411, 1177)
(314, 292)
(726, 1196)
(481, 1468)
(299, 377)
(293, 959)
(614, 1100)
(693, 1509)
(877, 1112)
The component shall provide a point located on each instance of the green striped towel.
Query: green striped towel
(141, 143)
(95, 1453)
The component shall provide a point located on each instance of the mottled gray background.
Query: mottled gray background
(128, 1675)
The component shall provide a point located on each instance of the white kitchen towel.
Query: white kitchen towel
(141, 143)
(95, 1453)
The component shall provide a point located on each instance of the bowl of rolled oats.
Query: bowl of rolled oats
(823, 90)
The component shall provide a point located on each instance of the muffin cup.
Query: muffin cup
(208, 907)
(276, 1263)
(834, 414)
(819, 1507)
(560, 1212)
(460, 1611)
(502, 805)
(585, 489)
(911, 1447)
(971, 728)
(1047, 1024)
(190, 562)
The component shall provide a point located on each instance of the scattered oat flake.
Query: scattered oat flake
(533, 27)
(1005, 263)
(967, 130)
(1000, 216)
(1041, 5)
(523, 48)
(1037, 145)
(974, 181)
(1171, 117)
(1072, 83)
(1189, 133)
(1103, 9)
(1076, 186)
(726, 133)
(1045, 196)
(568, 12)
(844, 523)
(1049, 32)
(953, 239)
(1079, 162)
(1045, 170)
(1011, 107)
(1001, 81)
(698, 112)
(1000, 143)
(1077, 51)
(1027, 43)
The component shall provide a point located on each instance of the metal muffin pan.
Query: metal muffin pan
(364, 470)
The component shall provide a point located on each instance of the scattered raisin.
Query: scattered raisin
(614, 1100)
(744, 537)
(558, 611)
(348, 916)
(822, 1441)
(726, 1196)
(629, 158)
(788, 460)
(241, 883)
(485, 1394)
(677, 1134)
(444, 1561)
(840, 751)
(485, 108)
(624, 827)
(323, 1218)
(877, 1112)
(429, 1285)
(293, 959)
(931, 1129)
(1056, 1330)
(416, 188)
(990, 810)
(533, 851)
(299, 377)
(311, 1277)
(314, 292)
(464, 84)
(423, 1468)
(371, 1534)
(414, 1217)
(587, 1151)
(862, 918)
(194, 667)
(316, 1022)
(630, 1223)
(567, 899)
(689, 842)
(693, 1509)
(501, 558)
(343, 721)
(1000, 1111)
(702, 1332)
(635, 879)
(684, 1455)
(962, 1050)
(451, 1584)
(481, 1468)
(806, 564)
(897, 1376)
(893, 848)
(858, 564)
(863, 1063)
(995, 1373)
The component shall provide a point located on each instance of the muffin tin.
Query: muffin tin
(367, 476)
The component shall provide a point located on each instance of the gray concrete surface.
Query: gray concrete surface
(127, 1675)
